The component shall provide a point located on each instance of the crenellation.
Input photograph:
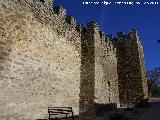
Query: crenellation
(43, 1)
(102, 34)
(120, 34)
(133, 32)
(92, 25)
(107, 39)
(60, 11)
(130, 58)
(71, 20)
(106, 42)
(81, 29)
(48, 60)
(110, 44)
(102, 38)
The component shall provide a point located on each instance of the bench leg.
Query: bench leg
(72, 116)
(49, 116)
(66, 117)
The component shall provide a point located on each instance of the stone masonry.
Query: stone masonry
(46, 60)
(130, 66)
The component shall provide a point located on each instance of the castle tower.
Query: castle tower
(46, 62)
(99, 80)
(139, 49)
(131, 70)
(87, 83)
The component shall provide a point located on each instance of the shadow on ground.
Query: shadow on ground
(109, 112)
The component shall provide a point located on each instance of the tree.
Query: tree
(153, 77)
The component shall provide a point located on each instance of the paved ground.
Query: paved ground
(152, 112)
(149, 113)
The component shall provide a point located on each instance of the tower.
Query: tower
(131, 68)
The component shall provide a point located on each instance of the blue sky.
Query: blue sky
(120, 18)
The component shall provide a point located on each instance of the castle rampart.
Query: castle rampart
(46, 59)
(130, 68)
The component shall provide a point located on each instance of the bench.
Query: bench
(63, 113)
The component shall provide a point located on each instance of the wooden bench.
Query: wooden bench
(63, 113)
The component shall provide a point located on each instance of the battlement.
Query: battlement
(123, 39)
(92, 25)
(133, 34)
(107, 42)
(47, 12)
(48, 57)
(133, 31)
(120, 35)
(60, 11)
(102, 34)
(71, 20)
(42, 2)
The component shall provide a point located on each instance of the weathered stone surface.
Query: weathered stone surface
(40, 60)
(106, 79)
(131, 70)
(47, 60)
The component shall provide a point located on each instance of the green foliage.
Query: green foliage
(154, 82)
(156, 91)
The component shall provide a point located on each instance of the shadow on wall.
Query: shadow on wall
(87, 76)
(130, 75)
(101, 109)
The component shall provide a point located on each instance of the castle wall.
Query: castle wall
(134, 80)
(99, 80)
(143, 70)
(137, 88)
(106, 79)
(87, 84)
(131, 71)
(39, 59)
(121, 64)
(46, 60)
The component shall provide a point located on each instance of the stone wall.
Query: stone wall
(143, 69)
(87, 86)
(106, 79)
(40, 59)
(99, 80)
(121, 72)
(131, 70)
(47, 60)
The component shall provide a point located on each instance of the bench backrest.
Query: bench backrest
(54, 111)
(60, 110)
